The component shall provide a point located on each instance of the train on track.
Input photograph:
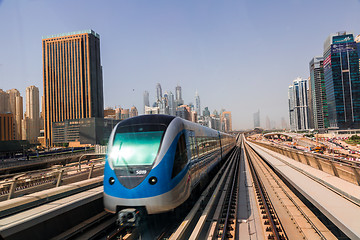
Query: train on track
(155, 161)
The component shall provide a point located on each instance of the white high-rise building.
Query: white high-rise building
(146, 100)
(298, 105)
(172, 106)
(31, 122)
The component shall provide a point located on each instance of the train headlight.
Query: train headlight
(153, 180)
(111, 180)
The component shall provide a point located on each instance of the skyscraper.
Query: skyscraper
(4, 102)
(158, 92)
(7, 127)
(73, 84)
(298, 105)
(31, 125)
(197, 104)
(146, 100)
(257, 119)
(341, 74)
(16, 108)
(318, 93)
(178, 99)
(172, 107)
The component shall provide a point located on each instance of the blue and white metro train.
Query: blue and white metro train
(155, 161)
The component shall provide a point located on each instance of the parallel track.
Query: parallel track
(271, 220)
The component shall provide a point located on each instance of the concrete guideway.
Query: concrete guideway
(340, 210)
(53, 217)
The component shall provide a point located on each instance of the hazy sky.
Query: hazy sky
(239, 55)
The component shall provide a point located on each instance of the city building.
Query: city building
(158, 92)
(184, 112)
(82, 132)
(226, 121)
(318, 101)
(298, 105)
(194, 116)
(7, 127)
(133, 112)
(4, 102)
(197, 103)
(172, 106)
(73, 84)
(125, 114)
(152, 110)
(206, 112)
(342, 83)
(257, 119)
(31, 121)
(146, 100)
(16, 108)
(310, 105)
(109, 113)
(178, 100)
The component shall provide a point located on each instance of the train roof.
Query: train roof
(148, 119)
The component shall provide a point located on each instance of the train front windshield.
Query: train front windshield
(136, 145)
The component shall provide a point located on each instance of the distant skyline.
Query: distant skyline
(240, 55)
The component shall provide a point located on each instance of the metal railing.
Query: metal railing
(51, 177)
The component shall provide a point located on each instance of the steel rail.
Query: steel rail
(262, 193)
(235, 175)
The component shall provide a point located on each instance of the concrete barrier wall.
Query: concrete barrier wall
(333, 166)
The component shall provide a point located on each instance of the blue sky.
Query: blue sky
(239, 55)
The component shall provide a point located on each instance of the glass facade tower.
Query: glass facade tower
(318, 94)
(298, 105)
(342, 84)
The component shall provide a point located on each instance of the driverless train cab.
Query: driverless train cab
(154, 162)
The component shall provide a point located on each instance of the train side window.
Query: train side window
(180, 159)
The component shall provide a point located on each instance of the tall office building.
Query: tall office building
(310, 106)
(146, 100)
(197, 104)
(342, 83)
(318, 101)
(16, 108)
(172, 107)
(73, 84)
(158, 92)
(4, 102)
(298, 105)
(31, 121)
(257, 119)
(178, 99)
(357, 40)
(7, 127)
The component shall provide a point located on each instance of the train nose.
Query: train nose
(132, 177)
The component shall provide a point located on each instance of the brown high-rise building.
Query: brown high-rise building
(73, 84)
(7, 127)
